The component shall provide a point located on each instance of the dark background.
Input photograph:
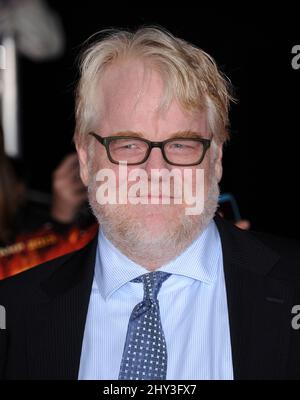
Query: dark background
(252, 46)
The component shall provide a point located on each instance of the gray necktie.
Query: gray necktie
(145, 350)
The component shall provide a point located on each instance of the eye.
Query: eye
(129, 146)
(186, 145)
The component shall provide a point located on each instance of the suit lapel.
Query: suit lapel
(259, 306)
(60, 318)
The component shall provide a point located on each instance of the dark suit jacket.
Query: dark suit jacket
(46, 309)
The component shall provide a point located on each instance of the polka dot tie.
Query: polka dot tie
(145, 350)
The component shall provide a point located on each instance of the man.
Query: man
(161, 293)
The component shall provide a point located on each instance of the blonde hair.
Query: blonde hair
(189, 74)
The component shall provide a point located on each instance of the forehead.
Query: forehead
(131, 94)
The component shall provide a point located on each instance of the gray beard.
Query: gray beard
(128, 234)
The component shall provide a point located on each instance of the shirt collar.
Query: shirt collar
(199, 261)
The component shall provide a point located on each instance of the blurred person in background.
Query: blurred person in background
(20, 209)
(68, 191)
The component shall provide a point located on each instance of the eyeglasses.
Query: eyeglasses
(133, 150)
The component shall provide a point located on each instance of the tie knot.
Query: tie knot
(152, 283)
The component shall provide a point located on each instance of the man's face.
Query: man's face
(130, 105)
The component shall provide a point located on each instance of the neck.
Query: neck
(153, 254)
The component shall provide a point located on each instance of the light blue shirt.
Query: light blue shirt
(193, 308)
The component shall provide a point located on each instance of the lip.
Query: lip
(160, 196)
(153, 197)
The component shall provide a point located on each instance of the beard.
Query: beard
(133, 229)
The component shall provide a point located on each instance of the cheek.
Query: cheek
(203, 178)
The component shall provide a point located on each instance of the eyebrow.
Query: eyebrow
(179, 134)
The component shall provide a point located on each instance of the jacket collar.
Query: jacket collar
(242, 248)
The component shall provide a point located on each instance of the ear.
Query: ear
(218, 162)
(83, 162)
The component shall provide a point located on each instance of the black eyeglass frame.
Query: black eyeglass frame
(105, 141)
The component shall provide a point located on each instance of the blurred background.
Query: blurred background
(252, 46)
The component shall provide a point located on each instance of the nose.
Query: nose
(156, 160)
